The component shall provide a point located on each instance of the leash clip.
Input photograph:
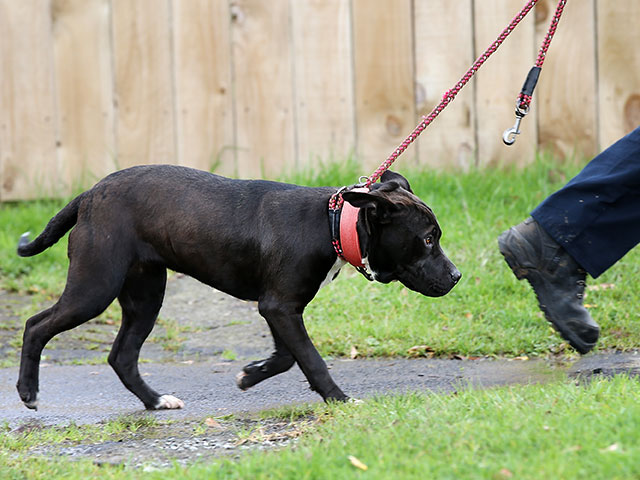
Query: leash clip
(363, 181)
(509, 135)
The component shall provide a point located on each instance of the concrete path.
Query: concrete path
(92, 394)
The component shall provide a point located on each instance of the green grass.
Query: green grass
(559, 430)
(37, 435)
(44, 273)
(487, 313)
(555, 431)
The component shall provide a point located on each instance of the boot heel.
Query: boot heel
(518, 271)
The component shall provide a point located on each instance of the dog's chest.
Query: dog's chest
(333, 272)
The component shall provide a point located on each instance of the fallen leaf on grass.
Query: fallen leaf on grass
(559, 348)
(354, 352)
(421, 351)
(614, 447)
(261, 437)
(212, 422)
(590, 305)
(505, 473)
(357, 463)
(575, 448)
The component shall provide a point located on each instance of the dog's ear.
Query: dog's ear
(389, 176)
(380, 206)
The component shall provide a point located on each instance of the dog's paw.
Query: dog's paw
(28, 396)
(240, 381)
(32, 405)
(168, 402)
(355, 401)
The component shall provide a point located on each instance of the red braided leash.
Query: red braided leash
(522, 108)
(449, 95)
(524, 99)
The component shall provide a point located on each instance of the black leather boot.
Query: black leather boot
(556, 278)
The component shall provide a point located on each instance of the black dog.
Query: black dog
(256, 240)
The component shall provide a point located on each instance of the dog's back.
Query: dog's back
(210, 227)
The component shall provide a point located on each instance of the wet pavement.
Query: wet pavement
(92, 393)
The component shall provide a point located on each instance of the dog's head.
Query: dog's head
(400, 237)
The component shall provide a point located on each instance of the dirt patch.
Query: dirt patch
(163, 445)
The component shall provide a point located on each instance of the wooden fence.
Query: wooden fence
(255, 87)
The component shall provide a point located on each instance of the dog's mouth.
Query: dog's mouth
(426, 286)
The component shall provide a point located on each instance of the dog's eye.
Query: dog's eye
(428, 240)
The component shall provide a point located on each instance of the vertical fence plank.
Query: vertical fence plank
(263, 84)
(28, 162)
(87, 86)
(618, 69)
(84, 89)
(566, 92)
(323, 79)
(499, 81)
(384, 85)
(203, 85)
(143, 82)
(443, 55)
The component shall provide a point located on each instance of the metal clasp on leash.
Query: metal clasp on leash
(509, 135)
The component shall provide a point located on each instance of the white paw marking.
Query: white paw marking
(355, 401)
(169, 402)
(239, 378)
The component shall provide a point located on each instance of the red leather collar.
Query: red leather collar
(348, 233)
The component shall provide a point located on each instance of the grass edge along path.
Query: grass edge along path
(560, 430)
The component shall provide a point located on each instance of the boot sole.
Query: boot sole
(535, 281)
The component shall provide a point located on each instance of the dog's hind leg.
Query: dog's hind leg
(280, 361)
(141, 298)
(91, 286)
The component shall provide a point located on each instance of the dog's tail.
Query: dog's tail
(60, 224)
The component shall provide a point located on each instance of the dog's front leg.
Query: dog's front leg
(255, 372)
(289, 326)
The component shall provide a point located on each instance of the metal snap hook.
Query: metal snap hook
(509, 135)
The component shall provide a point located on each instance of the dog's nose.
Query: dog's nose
(455, 276)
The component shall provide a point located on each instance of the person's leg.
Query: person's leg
(557, 280)
(596, 216)
(589, 224)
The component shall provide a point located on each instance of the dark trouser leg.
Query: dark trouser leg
(596, 216)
